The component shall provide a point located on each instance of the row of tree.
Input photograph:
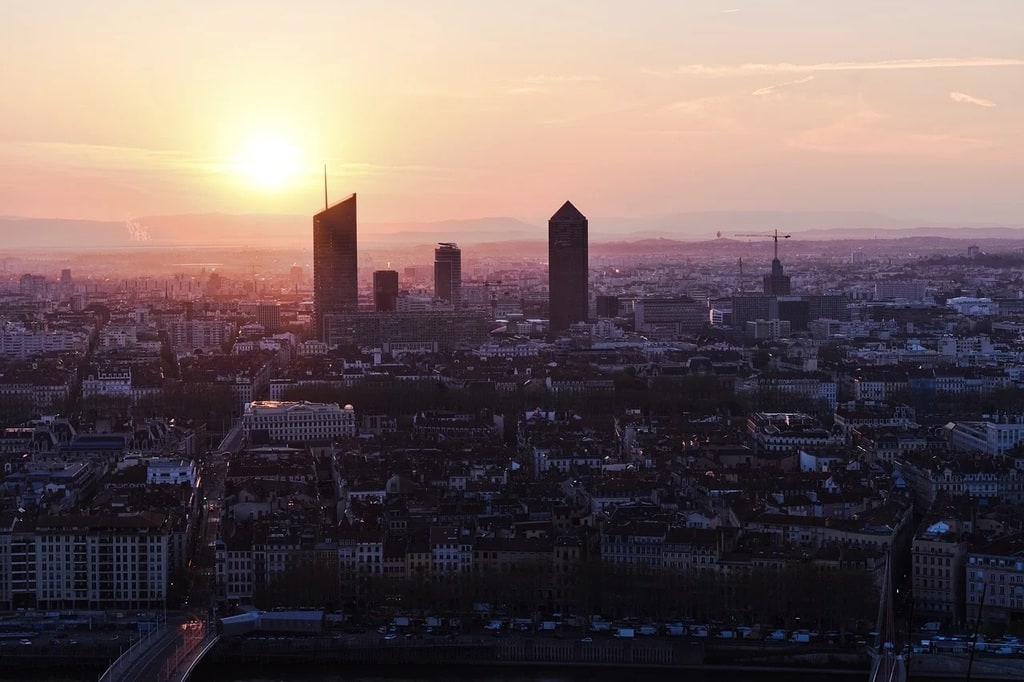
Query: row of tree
(776, 597)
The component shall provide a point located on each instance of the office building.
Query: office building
(268, 315)
(448, 274)
(335, 262)
(607, 306)
(667, 318)
(385, 290)
(568, 294)
(748, 307)
(794, 309)
(911, 290)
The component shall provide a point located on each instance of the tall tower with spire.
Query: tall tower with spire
(568, 290)
(777, 283)
(335, 263)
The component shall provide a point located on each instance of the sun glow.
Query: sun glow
(269, 162)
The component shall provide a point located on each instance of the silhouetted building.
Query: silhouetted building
(33, 285)
(828, 306)
(667, 318)
(385, 290)
(568, 293)
(296, 275)
(796, 310)
(421, 331)
(749, 307)
(777, 283)
(607, 306)
(335, 262)
(268, 314)
(448, 274)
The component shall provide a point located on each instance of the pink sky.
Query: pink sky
(457, 109)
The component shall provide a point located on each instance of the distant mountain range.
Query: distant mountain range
(293, 231)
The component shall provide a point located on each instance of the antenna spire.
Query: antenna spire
(325, 186)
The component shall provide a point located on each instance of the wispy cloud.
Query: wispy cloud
(697, 105)
(731, 11)
(108, 157)
(772, 89)
(821, 67)
(551, 79)
(964, 98)
(864, 133)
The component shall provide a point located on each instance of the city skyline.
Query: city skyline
(705, 106)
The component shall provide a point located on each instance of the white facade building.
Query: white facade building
(990, 438)
(301, 421)
(165, 471)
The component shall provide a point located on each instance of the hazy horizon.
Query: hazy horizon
(458, 110)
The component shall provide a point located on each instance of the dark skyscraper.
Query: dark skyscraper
(777, 283)
(568, 295)
(448, 274)
(385, 290)
(607, 306)
(335, 264)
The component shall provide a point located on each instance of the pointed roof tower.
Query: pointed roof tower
(568, 212)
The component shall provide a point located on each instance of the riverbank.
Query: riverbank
(604, 654)
(402, 658)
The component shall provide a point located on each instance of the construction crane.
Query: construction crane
(774, 235)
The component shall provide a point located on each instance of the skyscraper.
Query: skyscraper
(335, 264)
(448, 274)
(777, 283)
(385, 290)
(568, 296)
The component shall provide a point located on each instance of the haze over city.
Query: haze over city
(905, 114)
(511, 341)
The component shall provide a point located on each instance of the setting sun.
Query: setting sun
(269, 162)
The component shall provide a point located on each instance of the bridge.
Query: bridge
(169, 654)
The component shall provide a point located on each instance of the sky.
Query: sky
(470, 108)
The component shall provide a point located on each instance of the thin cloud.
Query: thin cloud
(883, 65)
(964, 98)
(772, 89)
(730, 11)
(864, 133)
(551, 79)
(109, 157)
(697, 105)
